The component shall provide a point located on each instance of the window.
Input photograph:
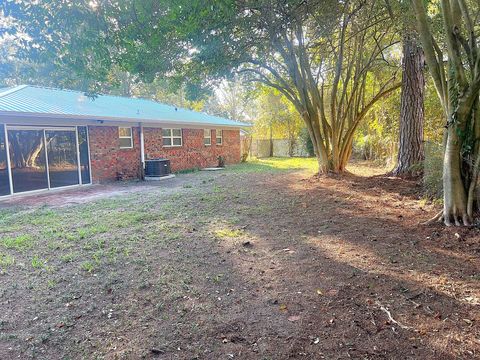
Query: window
(126, 139)
(172, 137)
(207, 137)
(219, 135)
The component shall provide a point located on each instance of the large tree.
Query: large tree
(449, 33)
(410, 150)
(332, 75)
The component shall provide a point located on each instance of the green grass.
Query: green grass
(20, 242)
(87, 266)
(275, 164)
(6, 260)
(92, 230)
(188, 171)
(228, 233)
(67, 258)
(95, 236)
(37, 263)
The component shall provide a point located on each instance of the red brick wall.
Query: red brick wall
(193, 153)
(230, 149)
(108, 159)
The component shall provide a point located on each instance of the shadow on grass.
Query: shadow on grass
(173, 273)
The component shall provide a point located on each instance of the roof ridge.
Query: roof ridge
(12, 90)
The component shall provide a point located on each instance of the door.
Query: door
(43, 158)
(28, 161)
(62, 157)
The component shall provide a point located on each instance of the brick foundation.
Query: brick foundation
(108, 160)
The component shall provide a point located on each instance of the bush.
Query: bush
(305, 138)
(433, 170)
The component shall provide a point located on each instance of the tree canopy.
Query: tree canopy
(332, 60)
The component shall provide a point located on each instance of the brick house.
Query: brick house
(51, 138)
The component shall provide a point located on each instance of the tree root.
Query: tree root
(390, 317)
(447, 220)
(438, 218)
(456, 219)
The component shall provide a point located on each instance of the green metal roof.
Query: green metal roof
(40, 101)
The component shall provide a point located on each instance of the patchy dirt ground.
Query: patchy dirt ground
(251, 263)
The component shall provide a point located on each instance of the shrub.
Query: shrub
(305, 138)
(433, 170)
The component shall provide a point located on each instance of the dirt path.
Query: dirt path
(260, 265)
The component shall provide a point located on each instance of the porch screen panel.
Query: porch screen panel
(4, 181)
(83, 147)
(62, 158)
(27, 160)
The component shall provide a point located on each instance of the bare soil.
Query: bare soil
(240, 265)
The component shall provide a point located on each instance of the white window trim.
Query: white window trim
(219, 131)
(207, 137)
(171, 137)
(126, 137)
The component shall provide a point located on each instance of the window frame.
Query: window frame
(219, 131)
(172, 137)
(209, 131)
(125, 137)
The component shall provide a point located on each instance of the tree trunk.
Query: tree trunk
(458, 85)
(411, 150)
(454, 193)
(32, 156)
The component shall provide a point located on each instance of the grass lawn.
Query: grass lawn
(309, 165)
(279, 164)
(260, 261)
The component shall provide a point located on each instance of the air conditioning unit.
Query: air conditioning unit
(157, 167)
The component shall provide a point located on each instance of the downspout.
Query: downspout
(142, 153)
